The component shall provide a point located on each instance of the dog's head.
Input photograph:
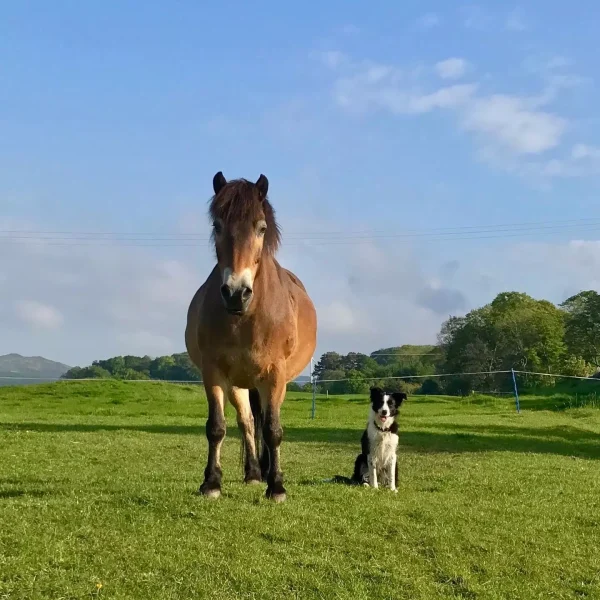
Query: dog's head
(385, 406)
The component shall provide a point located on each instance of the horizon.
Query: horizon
(421, 160)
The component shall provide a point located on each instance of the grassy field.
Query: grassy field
(98, 481)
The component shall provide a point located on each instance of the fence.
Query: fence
(314, 381)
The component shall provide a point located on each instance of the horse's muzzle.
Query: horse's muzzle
(236, 301)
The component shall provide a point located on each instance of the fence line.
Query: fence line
(411, 376)
(316, 381)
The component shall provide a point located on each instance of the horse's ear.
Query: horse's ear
(219, 182)
(263, 185)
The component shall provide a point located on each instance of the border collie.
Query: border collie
(376, 465)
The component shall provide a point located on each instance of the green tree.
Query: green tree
(514, 331)
(583, 326)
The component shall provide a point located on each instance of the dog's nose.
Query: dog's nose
(384, 413)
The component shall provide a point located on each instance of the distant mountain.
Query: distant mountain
(29, 369)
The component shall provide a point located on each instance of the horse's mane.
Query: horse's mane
(240, 201)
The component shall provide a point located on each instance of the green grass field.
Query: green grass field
(98, 481)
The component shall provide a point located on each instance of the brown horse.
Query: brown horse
(251, 328)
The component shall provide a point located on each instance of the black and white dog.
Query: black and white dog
(377, 464)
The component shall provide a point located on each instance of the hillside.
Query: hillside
(21, 368)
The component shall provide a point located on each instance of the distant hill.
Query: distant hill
(21, 368)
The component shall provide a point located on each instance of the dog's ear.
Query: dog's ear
(399, 398)
(376, 392)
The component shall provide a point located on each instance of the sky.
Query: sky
(422, 158)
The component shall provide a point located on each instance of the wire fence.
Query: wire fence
(314, 381)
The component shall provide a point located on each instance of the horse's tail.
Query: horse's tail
(257, 415)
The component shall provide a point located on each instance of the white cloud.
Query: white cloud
(350, 29)
(451, 68)
(372, 86)
(105, 300)
(583, 152)
(510, 121)
(38, 315)
(332, 58)
(428, 21)
(515, 21)
(338, 317)
(476, 18)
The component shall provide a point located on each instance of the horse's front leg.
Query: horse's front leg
(240, 400)
(215, 433)
(272, 395)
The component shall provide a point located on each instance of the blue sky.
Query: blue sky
(391, 121)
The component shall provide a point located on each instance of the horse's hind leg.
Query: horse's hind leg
(241, 402)
(272, 396)
(215, 433)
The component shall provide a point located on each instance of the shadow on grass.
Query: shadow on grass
(464, 439)
(6, 494)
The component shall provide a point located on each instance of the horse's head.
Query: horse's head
(244, 233)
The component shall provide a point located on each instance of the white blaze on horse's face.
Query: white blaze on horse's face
(239, 253)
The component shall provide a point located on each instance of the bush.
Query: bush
(431, 387)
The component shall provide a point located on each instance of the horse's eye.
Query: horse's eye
(217, 227)
(262, 230)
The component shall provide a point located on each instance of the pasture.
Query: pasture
(98, 482)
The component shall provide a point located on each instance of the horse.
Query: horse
(251, 329)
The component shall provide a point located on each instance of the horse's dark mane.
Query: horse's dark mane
(240, 201)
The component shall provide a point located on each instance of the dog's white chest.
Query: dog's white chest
(382, 445)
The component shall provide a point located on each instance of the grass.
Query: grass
(97, 483)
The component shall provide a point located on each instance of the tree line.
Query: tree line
(514, 331)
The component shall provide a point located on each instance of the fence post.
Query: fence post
(314, 387)
(514, 378)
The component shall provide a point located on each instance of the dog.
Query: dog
(377, 464)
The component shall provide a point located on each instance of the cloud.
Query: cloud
(428, 21)
(515, 21)
(332, 59)
(38, 315)
(585, 152)
(350, 29)
(476, 18)
(105, 300)
(142, 343)
(511, 123)
(372, 86)
(451, 68)
(515, 124)
(339, 317)
(442, 301)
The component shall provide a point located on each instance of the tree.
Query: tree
(514, 331)
(91, 372)
(330, 361)
(582, 334)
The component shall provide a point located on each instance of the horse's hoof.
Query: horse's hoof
(209, 492)
(276, 493)
(277, 498)
(253, 482)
